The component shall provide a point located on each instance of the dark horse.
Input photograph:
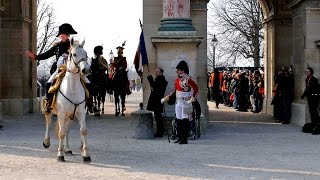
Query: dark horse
(119, 88)
(100, 85)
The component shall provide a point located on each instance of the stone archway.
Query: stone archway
(289, 39)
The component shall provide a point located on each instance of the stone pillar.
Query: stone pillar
(306, 25)
(277, 52)
(177, 39)
(176, 18)
(18, 73)
(1, 57)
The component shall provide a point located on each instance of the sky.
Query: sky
(103, 22)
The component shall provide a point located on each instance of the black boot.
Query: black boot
(179, 128)
(185, 131)
(49, 99)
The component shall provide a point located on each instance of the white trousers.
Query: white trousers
(182, 108)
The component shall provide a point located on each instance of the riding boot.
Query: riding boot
(89, 101)
(179, 128)
(185, 131)
(49, 98)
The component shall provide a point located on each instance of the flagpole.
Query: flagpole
(141, 26)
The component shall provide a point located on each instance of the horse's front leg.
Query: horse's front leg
(67, 150)
(46, 141)
(61, 136)
(123, 106)
(102, 107)
(117, 104)
(84, 133)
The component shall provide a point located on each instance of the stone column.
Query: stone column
(277, 52)
(176, 18)
(306, 25)
(1, 57)
(18, 73)
(177, 39)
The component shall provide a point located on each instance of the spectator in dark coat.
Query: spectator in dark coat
(158, 88)
(284, 93)
(311, 92)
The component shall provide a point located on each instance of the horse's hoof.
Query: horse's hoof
(60, 159)
(68, 152)
(122, 114)
(116, 114)
(46, 146)
(86, 159)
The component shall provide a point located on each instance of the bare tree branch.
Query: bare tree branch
(240, 29)
(46, 26)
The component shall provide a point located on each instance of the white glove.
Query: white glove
(192, 99)
(164, 99)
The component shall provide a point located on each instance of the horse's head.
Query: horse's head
(79, 57)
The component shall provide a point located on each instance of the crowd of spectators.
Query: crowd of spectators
(242, 90)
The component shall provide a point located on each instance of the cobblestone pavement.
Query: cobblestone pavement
(236, 145)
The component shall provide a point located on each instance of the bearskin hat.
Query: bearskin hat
(183, 66)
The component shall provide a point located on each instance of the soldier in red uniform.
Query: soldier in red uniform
(120, 66)
(185, 90)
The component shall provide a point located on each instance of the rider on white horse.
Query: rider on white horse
(60, 50)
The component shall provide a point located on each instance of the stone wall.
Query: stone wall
(306, 24)
(18, 78)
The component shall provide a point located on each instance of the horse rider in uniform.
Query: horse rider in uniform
(60, 50)
(120, 65)
(185, 90)
(98, 68)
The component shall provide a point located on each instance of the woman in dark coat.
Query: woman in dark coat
(158, 88)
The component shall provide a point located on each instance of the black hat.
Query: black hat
(183, 66)
(66, 29)
(98, 50)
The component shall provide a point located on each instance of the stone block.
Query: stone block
(300, 114)
(141, 124)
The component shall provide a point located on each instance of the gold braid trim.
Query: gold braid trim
(57, 82)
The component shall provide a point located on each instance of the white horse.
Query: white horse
(70, 103)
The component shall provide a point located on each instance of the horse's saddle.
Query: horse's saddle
(57, 82)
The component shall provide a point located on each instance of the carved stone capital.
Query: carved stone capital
(278, 22)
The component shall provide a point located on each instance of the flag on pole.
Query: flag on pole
(141, 57)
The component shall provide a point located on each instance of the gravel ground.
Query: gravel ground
(236, 145)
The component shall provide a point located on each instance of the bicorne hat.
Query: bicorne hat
(183, 66)
(66, 29)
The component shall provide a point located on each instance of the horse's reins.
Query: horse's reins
(68, 70)
(75, 105)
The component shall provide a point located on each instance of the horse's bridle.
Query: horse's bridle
(77, 64)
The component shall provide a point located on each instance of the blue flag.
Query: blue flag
(141, 57)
